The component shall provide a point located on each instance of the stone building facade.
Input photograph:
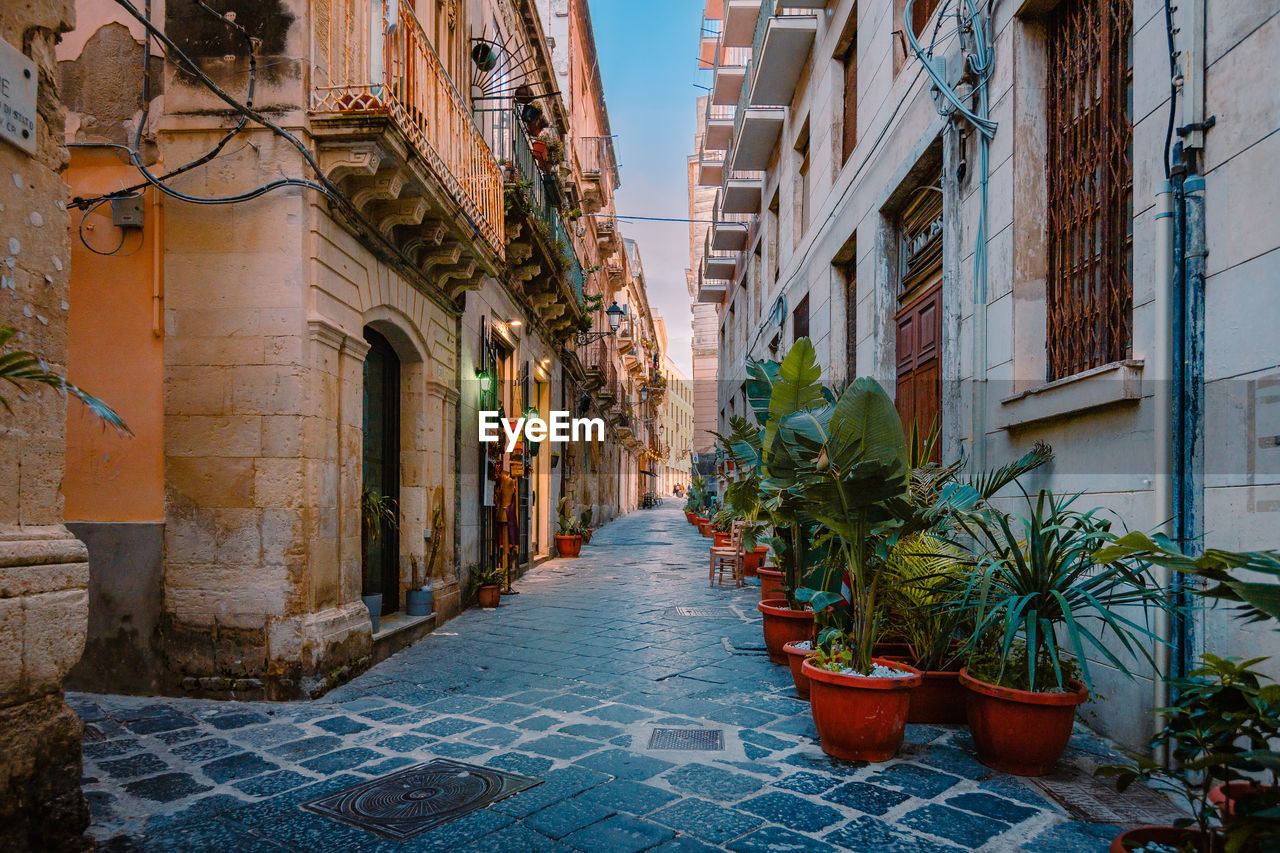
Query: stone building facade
(44, 570)
(296, 354)
(927, 241)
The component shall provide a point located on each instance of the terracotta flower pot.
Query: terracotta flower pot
(720, 539)
(1017, 731)
(860, 718)
(940, 698)
(568, 546)
(894, 650)
(782, 625)
(489, 596)
(796, 658)
(688, 516)
(706, 528)
(753, 560)
(1135, 839)
(770, 583)
(1225, 796)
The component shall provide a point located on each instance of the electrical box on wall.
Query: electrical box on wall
(126, 212)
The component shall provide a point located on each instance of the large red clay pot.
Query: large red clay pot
(706, 528)
(770, 583)
(940, 698)
(1135, 839)
(1225, 796)
(688, 516)
(796, 657)
(488, 597)
(783, 625)
(860, 718)
(894, 650)
(568, 546)
(1017, 731)
(753, 560)
(720, 539)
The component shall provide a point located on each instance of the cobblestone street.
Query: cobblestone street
(564, 684)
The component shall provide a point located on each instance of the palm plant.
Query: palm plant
(861, 466)
(21, 368)
(1035, 579)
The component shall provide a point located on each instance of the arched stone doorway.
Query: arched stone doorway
(380, 572)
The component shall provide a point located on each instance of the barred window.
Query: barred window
(1090, 185)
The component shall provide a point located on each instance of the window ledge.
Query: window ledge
(1109, 385)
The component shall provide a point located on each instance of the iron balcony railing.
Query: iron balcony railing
(596, 159)
(511, 144)
(363, 66)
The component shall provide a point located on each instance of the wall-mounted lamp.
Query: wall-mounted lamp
(614, 314)
(516, 323)
(485, 380)
(644, 393)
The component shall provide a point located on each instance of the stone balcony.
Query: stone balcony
(395, 135)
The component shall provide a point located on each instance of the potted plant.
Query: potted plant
(584, 525)
(569, 532)
(485, 55)
(378, 514)
(1225, 719)
(859, 701)
(926, 571)
(1035, 584)
(1218, 731)
(486, 585)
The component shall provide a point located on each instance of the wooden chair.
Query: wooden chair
(729, 559)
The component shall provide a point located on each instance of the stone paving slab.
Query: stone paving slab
(563, 683)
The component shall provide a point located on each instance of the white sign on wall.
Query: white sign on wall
(18, 84)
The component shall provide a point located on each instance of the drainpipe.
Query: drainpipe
(1160, 370)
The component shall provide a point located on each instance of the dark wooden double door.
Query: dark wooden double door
(919, 349)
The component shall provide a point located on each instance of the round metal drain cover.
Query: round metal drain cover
(411, 801)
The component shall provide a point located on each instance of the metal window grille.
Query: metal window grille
(1090, 183)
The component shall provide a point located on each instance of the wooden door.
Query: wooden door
(919, 386)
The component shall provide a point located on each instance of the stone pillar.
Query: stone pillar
(44, 570)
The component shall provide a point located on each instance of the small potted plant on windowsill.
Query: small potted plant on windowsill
(486, 585)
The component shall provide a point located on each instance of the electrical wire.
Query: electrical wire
(323, 185)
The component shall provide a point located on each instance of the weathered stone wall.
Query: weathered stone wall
(1106, 450)
(43, 569)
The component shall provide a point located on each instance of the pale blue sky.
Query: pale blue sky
(649, 57)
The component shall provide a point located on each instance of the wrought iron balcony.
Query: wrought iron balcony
(395, 74)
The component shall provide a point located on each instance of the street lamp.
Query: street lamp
(644, 393)
(615, 320)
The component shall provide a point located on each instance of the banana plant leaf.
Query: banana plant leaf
(797, 387)
(761, 376)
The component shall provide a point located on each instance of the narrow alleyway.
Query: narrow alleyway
(563, 684)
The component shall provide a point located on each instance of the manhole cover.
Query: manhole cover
(411, 801)
(701, 611)
(1098, 801)
(687, 739)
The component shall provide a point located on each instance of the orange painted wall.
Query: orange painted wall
(114, 353)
